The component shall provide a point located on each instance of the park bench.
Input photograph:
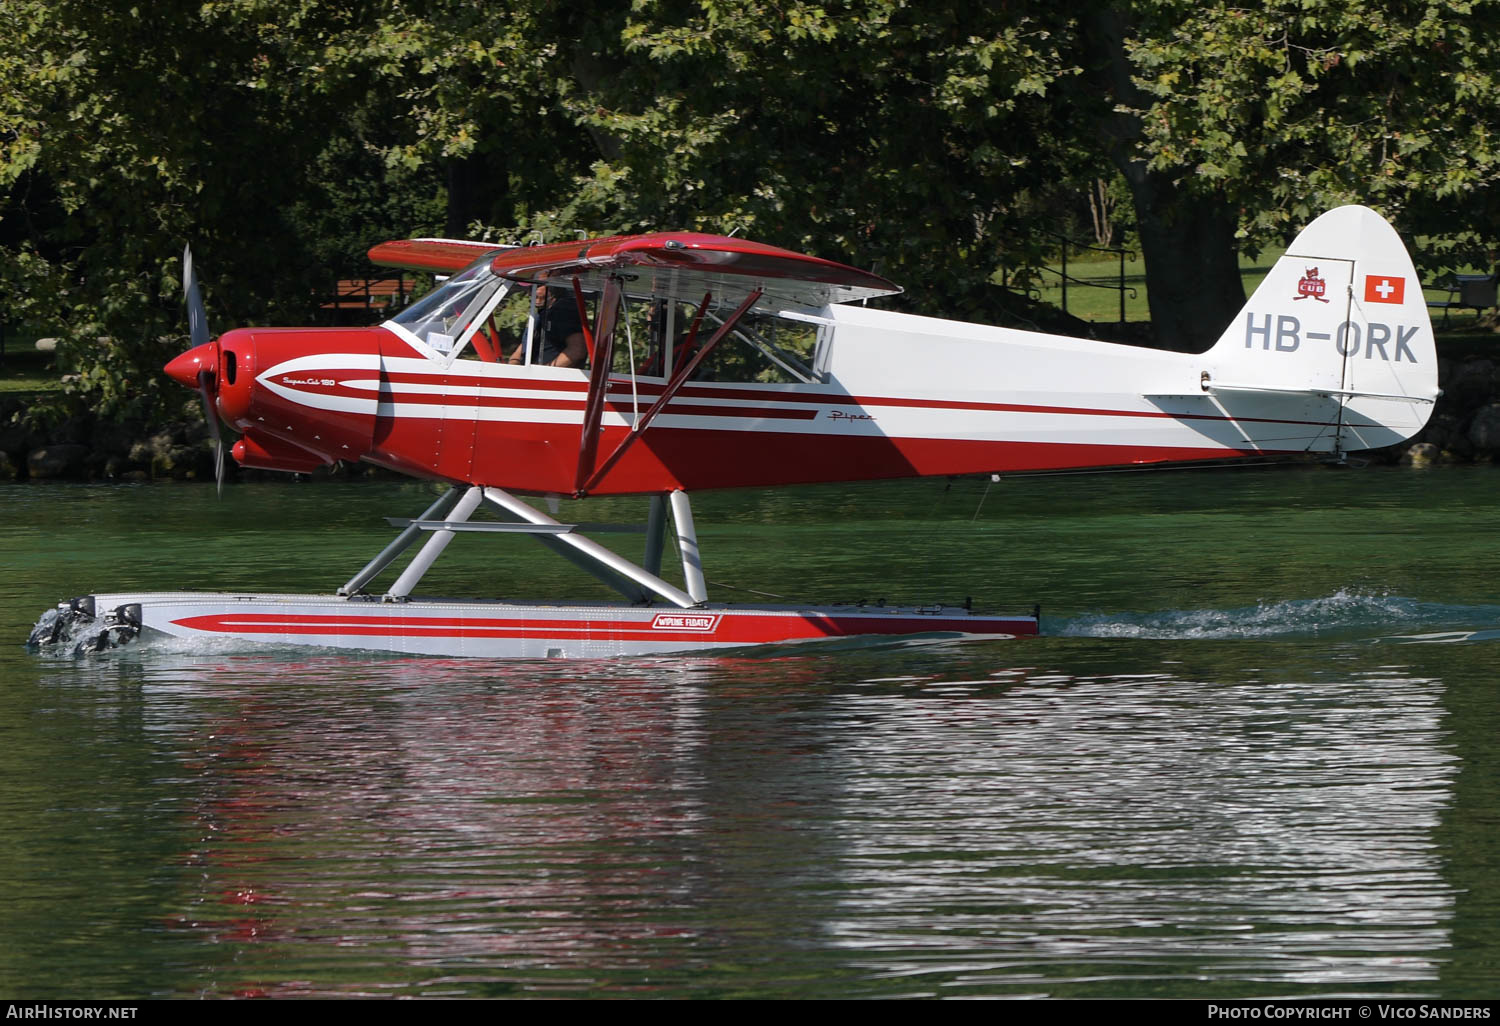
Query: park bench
(374, 295)
(1465, 291)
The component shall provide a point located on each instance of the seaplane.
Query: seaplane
(591, 368)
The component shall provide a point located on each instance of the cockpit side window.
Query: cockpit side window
(447, 317)
(500, 337)
(760, 349)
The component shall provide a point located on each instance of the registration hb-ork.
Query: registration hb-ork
(1286, 334)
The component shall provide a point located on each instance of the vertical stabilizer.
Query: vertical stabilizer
(1341, 315)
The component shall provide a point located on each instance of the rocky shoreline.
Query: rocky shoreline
(1465, 425)
(85, 447)
(1465, 428)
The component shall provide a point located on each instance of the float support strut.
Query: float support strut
(656, 529)
(687, 542)
(401, 543)
(424, 559)
(595, 552)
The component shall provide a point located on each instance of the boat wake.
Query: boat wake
(1345, 614)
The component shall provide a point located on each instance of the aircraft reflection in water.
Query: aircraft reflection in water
(1333, 353)
(407, 826)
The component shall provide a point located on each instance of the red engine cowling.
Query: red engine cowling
(300, 394)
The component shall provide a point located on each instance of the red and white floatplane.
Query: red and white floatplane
(597, 368)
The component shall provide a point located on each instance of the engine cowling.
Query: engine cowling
(299, 394)
(268, 454)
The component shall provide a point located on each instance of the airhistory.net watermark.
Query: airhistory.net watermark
(23, 1010)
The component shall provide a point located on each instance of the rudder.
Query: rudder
(1342, 316)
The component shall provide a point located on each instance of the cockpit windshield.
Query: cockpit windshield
(446, 317)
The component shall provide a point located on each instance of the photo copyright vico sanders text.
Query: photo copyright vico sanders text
(1353, 1011)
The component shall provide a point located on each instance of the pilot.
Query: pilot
(559, 331)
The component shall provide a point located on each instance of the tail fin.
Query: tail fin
(1341, 316)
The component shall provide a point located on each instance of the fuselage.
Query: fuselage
(1332, 353)
(899, 396)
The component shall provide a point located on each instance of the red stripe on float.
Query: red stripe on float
(757, 629)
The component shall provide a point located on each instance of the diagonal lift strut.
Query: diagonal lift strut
(588, 478)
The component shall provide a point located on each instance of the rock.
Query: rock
(57, 461)
(109, 439)
(73, 430)
(8, 471)
(16, 436)
(167, 457)
(1470, 384)
(1484, 429)
(1441, 429)
(1423, 454)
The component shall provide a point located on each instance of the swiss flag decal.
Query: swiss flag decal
(1384, 288)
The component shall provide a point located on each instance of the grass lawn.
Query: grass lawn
(25, 371)
(1102, 305)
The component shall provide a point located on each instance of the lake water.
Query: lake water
(1253, 756)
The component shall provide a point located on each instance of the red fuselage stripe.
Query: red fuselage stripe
(619, 399)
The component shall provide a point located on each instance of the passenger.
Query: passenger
(656, 333)
(559, 335)
(656, 338)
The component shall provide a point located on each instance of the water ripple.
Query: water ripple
(1343, 614)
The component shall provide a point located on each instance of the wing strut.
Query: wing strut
(603, 353)
(583, 316)
(679, 377)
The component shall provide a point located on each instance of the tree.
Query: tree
(910, 140)
(129, 131)
(1237, 125)
(931, 142)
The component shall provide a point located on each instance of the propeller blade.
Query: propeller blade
(197, 317)
(205, 389)
(198, 329)
(179, 368)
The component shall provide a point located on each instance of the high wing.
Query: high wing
(724, 277)
(666, 265)
(441, 255)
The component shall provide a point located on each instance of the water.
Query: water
(1253, 756)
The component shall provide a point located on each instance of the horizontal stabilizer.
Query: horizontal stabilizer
(1219, 386)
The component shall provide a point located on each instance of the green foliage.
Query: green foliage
(932, 142)
(1292, 108)
(872, 131)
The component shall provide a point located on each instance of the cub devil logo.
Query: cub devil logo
(1311, 286)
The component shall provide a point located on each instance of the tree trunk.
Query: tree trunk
(1187, 232)
(1193, 283)
(470, 195)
